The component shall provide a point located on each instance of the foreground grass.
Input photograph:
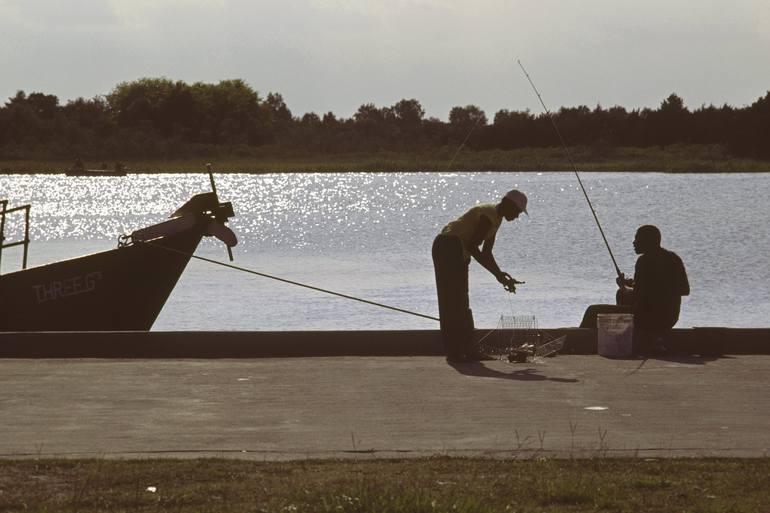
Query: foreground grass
(435, 484)
(678, 158)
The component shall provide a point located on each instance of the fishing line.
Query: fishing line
(513, 332)
(493, 330)
(284, 280)
(572, 162)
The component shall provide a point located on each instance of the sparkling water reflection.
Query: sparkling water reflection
(369, 235)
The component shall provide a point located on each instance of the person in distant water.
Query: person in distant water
(655, 293)
(452, 252)
(78, 165)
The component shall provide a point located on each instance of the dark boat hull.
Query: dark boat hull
(123, 289)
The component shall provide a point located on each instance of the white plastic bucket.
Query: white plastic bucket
(615, 334)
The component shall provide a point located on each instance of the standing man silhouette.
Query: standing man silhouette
(452, 251)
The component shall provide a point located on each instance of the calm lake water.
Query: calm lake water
(370, 235)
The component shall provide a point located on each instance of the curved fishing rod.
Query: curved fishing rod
(284, 280)
(468, 136)
(574, 167)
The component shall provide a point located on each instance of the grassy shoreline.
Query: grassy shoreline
(411, 485)
(671, 159)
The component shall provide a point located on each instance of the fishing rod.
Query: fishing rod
(468, 136)
(574, 167)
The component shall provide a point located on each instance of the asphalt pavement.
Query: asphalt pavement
(364, 407)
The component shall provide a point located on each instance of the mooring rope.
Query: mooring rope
(284, 280)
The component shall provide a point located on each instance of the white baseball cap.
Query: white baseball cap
(518, 198)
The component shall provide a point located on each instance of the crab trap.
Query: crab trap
(518, 339)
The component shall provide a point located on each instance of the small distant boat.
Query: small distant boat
(78, 169)
(123, 289)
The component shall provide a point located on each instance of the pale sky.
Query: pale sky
(334, 55)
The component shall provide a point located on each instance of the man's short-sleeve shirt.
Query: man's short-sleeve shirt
(660, 281)
(464, 227)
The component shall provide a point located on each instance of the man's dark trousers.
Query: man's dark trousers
(452, 287)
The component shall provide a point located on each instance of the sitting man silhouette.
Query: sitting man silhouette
(655, 293)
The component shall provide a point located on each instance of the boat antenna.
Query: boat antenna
(214, 190)
(211, 179)
(572, 162)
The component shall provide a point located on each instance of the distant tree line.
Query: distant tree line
(160, 118)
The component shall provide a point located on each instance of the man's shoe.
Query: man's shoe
(456, 358)
(477, 356)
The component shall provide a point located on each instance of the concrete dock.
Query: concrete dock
(302, 344)
(385, 406)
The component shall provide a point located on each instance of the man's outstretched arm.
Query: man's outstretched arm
(486, 258)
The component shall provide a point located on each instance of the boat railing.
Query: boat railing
(4, 210)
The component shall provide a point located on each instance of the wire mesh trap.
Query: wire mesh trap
(517, 338)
